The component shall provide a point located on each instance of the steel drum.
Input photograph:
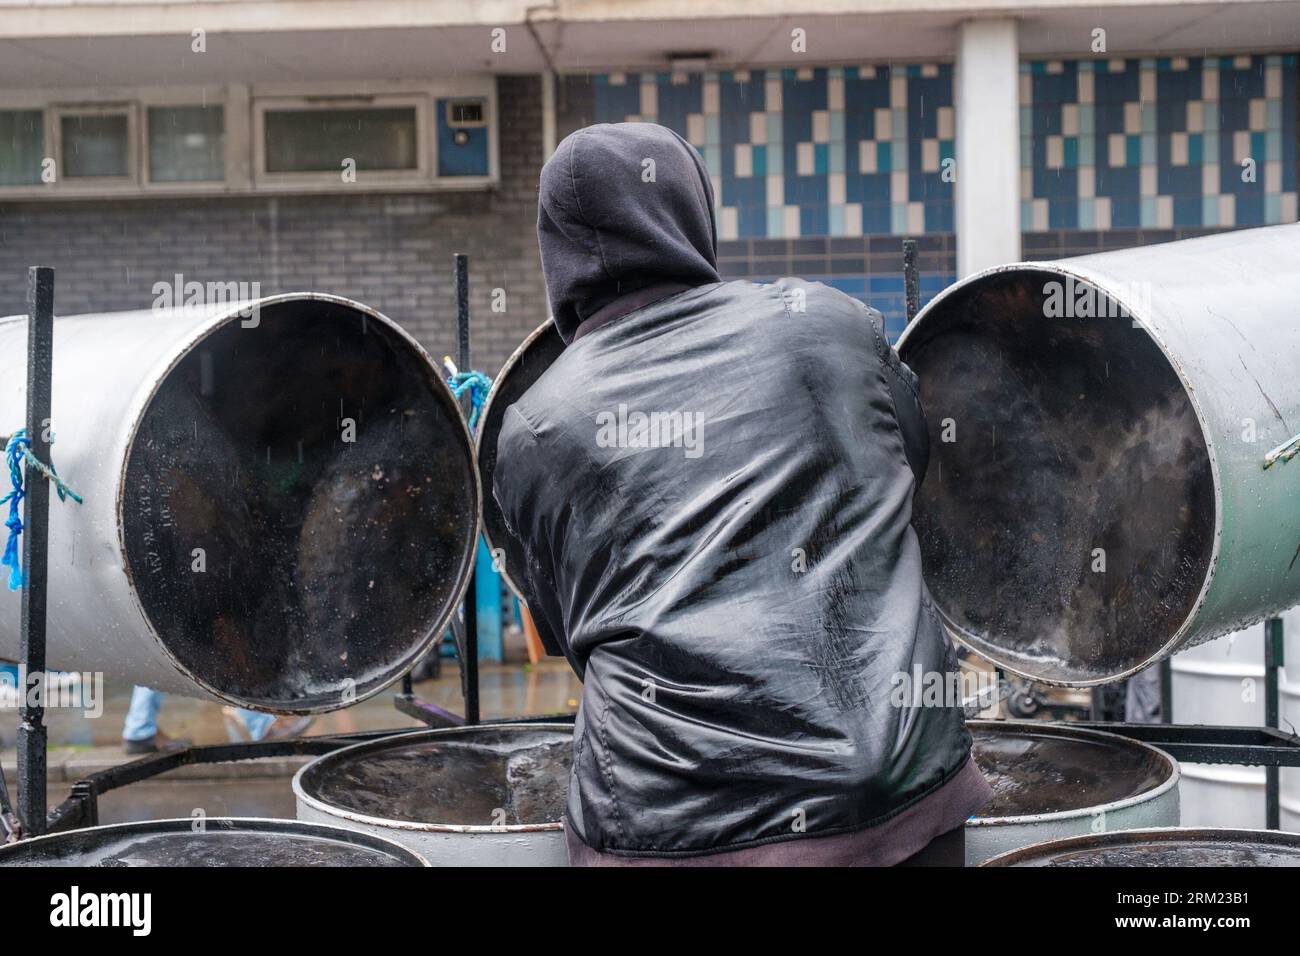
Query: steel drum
(524, 367)
(281, 505)
(1169, 847)
(1108, 481)
(1052, 780)
(488, 795)
(211, 841)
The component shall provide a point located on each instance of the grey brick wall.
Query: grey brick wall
(391, 251)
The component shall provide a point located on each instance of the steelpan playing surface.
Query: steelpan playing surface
(221, 842)
(1067, 518)
(474, 776)
(1162, 848)
(332, 559)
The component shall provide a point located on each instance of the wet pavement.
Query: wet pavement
(81, 744)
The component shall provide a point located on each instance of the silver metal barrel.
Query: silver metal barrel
(524, 367)
(280, 505)
(211, 841)
(1109, 479)
(1051, 781)
(1166, 847)
(489, 795)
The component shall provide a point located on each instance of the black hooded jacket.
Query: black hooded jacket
(712, 495)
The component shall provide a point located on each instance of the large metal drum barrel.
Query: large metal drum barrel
(1098, 496)
(524, 367)
(488, 795)
(1169, 847)
(280, 506)
(1051, 781)
(213, 841)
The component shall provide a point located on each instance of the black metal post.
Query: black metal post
(470, 664)
(32, 734)
(1272, 662)
(1167, 691)
(911, 279)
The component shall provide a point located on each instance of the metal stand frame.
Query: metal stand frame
(1260, 746)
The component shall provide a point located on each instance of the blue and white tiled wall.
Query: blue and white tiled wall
(821, 151)
(1158, 143)
(821, 171)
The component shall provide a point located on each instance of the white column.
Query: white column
(987, 102)
(548, 114)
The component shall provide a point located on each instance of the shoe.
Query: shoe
(158, 743)
(236, 730)
(289, 727)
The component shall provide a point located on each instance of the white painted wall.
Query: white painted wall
(986, 97)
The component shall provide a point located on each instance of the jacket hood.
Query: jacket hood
(622, 206)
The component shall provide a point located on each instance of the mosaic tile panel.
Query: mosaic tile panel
(820, 151)
(1158, 143)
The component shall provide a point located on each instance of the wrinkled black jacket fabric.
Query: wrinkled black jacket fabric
(739, 590)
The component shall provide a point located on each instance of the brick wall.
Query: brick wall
(390, 251)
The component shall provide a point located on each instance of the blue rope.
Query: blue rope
(478, 385)
(16, 450)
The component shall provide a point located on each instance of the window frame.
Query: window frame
(23, 105)
(55, 114)
(182, 99)
(332, 178)
(453, 101)
(244, 134)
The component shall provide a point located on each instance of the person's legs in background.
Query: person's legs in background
(243, 724)
(140, 733)
(256, 722)
(142, 716)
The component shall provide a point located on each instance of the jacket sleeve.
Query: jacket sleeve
(906, 391)
(529, 554)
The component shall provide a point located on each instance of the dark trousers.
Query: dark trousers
(947, 849)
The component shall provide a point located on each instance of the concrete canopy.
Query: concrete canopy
(123, 42)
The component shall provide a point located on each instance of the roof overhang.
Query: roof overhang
(112, 43)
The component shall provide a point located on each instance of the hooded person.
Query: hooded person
(710, 496)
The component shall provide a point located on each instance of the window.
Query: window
(96, 143)
(22, 147)
(237, 139)
(465, 113)
(377, 138)
(187, 144)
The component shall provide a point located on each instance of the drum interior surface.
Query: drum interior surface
(1034, 772)
(211, 847)
(487, 777)
(300, 512)
(1165, 849)
(1067, 517)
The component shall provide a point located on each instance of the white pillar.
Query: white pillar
(548, 114)
(987, 102)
